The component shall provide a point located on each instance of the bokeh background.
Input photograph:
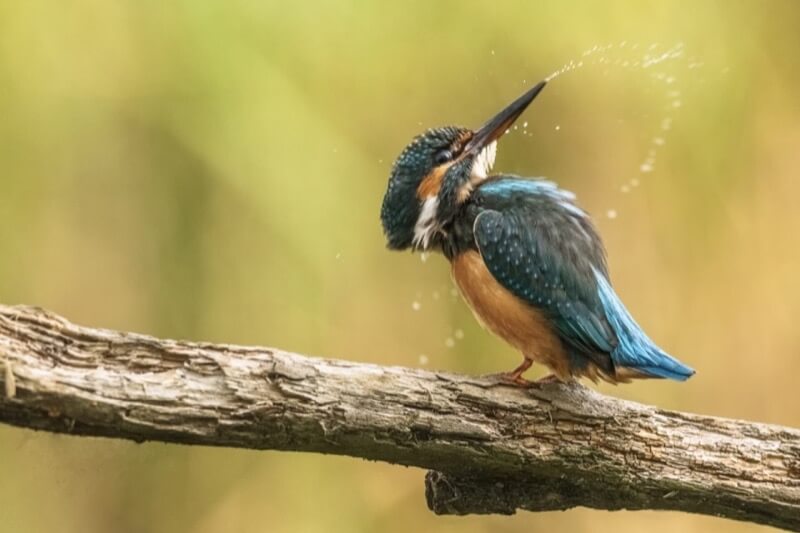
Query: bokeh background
(213, 170)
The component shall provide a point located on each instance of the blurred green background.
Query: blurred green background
(214, 171)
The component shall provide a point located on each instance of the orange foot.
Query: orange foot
(515, 376)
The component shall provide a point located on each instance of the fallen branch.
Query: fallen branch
(491, 448)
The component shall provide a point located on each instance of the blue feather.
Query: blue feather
(540, 186)
(509, 186)
(635, 349)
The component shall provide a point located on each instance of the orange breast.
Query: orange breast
(498, 310)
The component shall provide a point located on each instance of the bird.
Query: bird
(525, 257)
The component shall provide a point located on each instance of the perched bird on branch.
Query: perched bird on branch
(525, 257)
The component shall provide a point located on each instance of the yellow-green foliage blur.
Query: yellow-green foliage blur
(214, 171)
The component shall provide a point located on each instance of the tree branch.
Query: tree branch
(491, 448)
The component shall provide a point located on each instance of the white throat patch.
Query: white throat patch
(426, 223)
(484, 162)
(481, 167)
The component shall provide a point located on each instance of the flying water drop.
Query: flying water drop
(661, 62)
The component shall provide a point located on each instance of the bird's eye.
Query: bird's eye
(442, 157)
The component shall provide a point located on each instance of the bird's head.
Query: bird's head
(436, 173)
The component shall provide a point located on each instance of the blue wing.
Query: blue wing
(540, 246)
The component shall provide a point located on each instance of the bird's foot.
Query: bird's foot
(515, 376)
(511, 378)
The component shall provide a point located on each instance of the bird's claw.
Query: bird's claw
(511, 378)
(515, 379)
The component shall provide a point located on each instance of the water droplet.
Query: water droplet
(459, 334)
(646, 167)
(449, 342)
(416, 306)
(492, 52)
(611, 213)
(525, 124)
(423, 257)
(339, 256)
(558, 128)
(634, 182)
(659, 141)
(624, 189)
(423, 359)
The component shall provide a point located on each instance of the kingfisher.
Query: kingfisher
(526, 258)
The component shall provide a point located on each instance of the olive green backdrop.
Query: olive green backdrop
(214, 170)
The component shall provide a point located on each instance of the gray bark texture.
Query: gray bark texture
(491, 448)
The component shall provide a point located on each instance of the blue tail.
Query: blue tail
(635, 349)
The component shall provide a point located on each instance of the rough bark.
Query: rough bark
(492, 448)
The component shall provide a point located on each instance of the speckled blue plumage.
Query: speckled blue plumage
(540, 246)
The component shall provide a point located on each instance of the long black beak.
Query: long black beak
(499, 124)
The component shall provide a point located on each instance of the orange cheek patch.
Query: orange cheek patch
(431, 184)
